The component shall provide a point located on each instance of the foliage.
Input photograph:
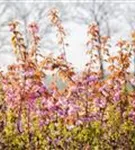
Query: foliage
(89, 112)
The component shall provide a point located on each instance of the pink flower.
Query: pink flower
(73, 109)
(11, 28)
(132, 81)
(42, 89)
(92, 78)
(133, 103)
(33, 28)
(61, 113)
(4, 81)
(100, 103)
(33, 96)
(116, 96)
(28, 84)
(132, 116)
(63, 102)
(29, 73)
(36, 88)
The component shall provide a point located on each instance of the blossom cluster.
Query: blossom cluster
(91, 111)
